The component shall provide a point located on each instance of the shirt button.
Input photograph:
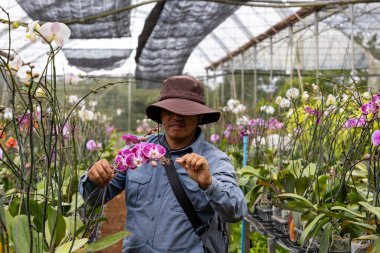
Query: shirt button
(152, 219)
(158, 196)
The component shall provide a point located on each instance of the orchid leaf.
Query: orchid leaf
(295, 196)
(370, 208)
(107, 241)
(305, 234)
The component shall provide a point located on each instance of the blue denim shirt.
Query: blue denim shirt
(154, 216)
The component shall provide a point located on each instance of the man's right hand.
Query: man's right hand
(100, 173)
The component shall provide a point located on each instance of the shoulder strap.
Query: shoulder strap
(181, 196)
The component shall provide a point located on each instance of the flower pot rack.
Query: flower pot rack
(275, 237)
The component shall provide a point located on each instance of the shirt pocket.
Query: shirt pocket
(194, 193)
(138, 187)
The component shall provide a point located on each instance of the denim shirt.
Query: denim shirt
(154, 216)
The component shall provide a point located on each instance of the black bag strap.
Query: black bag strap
(181, 195)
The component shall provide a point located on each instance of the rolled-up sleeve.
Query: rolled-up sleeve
(93, 194)
(224, 194)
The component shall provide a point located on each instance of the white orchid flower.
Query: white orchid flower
(16, 63)
(8, 114)
(57, 32)
(40, 92)
(285, 103)
(367, 95)
(305, 96)
(24, 73)
(278, 100)
(331, 100)
(73, 99)
(292, 93)
(30, 30)
(119, 111)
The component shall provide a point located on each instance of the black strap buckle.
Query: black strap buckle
(201, 229)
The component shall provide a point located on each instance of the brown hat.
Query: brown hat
(182, 95)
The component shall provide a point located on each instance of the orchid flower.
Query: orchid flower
(30, 30)
(376, 138)
(57, 32)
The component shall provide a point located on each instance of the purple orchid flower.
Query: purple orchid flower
(214, 138)
(130, 139)
(376, 138)
(91, 145)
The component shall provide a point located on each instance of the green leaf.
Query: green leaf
(364, 225)
(302, 184)
(56, 226)
(287, 180)
(376, 246)
(107, 241)
(21, 236)
(295, 196)
(309, 228)
(372, 209)
(321, 186)
(64, 248)
(325, 240)
(341, 208)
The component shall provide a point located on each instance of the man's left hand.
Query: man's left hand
(197, 168)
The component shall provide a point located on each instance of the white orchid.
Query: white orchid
(16, 63)
(331, 100)
(86, 115)
(40, 92)
(242, 121)
(93, 103)
(292, 93)
(367, 95)
(267, 109)
(315, 87)
(119, 111)
(73, 99)
(290, 113)
(305, 96)
(57, 32)
(30, 30)
(24, 73)
(8, 114)
(278, 100)
(239, 108)
(285, 103)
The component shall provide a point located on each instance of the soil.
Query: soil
(116, 213)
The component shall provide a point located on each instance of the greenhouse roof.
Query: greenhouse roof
(173, 37)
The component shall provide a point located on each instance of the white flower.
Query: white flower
(243, 121)
(258, 141)
(292, 93)
(24, 73)
(269, 110)
(278, 100)
(73, 99)
(367, 95)
(345, 98)
(30, 30)
(119, 111)
(231, 103)
(331, 100)
(8, 113)
(238, 109)
(16, 63)
(57, 32)
(86, 115)
(285, 103)
(305, 96)
(93, 103)
(315, 87)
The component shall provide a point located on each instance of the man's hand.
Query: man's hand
(100, 173)
(197, 168)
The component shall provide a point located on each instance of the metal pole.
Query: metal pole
(206, 89)
(271, 60)
(244, 236)
(353, 70)
(242, 78)
(129, 102)
(233, 83)
(316, 16)
(291, 54)
(254, 75)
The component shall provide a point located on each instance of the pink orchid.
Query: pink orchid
(376, 138)
(214, 138)
(130, 139)
(57, 32)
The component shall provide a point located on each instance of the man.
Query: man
(156, 219)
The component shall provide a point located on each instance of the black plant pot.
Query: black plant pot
(264, 212)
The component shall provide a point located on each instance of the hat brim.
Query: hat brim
(182, 107)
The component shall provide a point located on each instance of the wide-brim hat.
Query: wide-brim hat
(182, 95)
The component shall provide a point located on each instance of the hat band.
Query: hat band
(185, 96)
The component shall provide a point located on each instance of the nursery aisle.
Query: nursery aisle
(116, 213)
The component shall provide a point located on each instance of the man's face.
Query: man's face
(178, 127)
